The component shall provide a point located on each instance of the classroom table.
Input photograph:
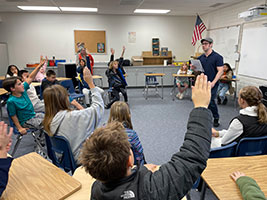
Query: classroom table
(155, 74)
(63, 78)
(2, 77)
(95, 77)
(32, 177)
(189, 76)
(218, 170)
(36, 84)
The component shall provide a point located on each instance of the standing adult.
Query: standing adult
(85, 55)
(212, 63)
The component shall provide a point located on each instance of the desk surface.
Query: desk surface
(2, 91)
(155, 74)
(86, 181)
(63, 78)
(217, 174)
(33, 177)
(2, 77)
(97, 77)
(183, 75)
(35, 84)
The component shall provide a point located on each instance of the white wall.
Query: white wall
(29, 34)
(227, 17)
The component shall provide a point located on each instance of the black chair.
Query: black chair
(150, 81)
(264, 93)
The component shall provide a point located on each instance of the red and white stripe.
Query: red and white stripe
(197, 33)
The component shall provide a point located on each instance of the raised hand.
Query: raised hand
(112, 51)
(5, 139)
(201, 92)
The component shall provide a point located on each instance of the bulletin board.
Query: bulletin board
(95, 41)
(253, 50)
(225, 43)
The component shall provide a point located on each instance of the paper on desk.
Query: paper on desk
(197, 64)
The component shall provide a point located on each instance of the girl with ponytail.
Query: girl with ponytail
(251, 122)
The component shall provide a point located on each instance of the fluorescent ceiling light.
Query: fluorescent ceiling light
(150, 11)
(78, 9)
(40, 8)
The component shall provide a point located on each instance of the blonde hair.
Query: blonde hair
(120, 112)
(55, 100)
(253, 96)
(111, 64)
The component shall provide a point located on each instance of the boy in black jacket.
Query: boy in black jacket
(107, 156)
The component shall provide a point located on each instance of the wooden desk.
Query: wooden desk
(2, 77)
(189, 76)
(63, 78)
(36, 84)
(217, 174)
(86, 180)
(95, 77)
(32, 177)
(3, 91)
(155, 74)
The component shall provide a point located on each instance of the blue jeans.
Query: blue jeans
(213, 106)
(222, 89)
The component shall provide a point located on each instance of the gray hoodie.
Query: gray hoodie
(77, 125)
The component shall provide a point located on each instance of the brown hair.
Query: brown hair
(253, 96)
(111, 64)
(55, 100)
(183, 69)
(120, 112)
(10, 82)
(106, 152)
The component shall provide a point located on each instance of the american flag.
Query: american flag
(199, 28)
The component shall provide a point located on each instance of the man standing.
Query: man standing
(212, 64)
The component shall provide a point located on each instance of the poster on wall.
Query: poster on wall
(100, 47)
(131, 37)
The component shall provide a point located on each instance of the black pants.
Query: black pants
(213, 106)
(116, 95)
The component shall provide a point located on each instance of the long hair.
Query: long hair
(9, 70)
(253, 96)
(228, 67)
(120, 112)
(55, 100)
(182, 68)
(111, 64)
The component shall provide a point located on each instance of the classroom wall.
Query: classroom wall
(229, 16)
(30, 34)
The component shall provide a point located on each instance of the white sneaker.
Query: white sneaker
(178, 95)
(181, 96)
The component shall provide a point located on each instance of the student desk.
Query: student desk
(96, 77)
(36, 84)
(155, 74)
(2, 77)
(32, 177)
(217, 175)
(2, 92)
(63, 78)
(189, 76)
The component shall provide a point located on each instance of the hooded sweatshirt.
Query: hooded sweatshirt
(77, 125)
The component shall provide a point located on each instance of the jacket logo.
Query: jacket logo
(128, 195)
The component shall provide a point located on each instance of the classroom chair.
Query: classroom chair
(264, 93)
(32, 131)
(252, 146)
(59, 151)
(150, 81)
(69, 86)
(219, 152)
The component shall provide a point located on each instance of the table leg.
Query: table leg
(235, 94)
(173, 90)
(203, 190)
(162, 86)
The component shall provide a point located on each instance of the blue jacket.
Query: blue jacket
(5, 164)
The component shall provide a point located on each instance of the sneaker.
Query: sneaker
(181, 96)
(216, 123)
(178, 95)
(219, 100)
(225, 101)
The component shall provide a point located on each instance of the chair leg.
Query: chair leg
(146, 92)
(16, 145)
(203, 190)
(41, 149)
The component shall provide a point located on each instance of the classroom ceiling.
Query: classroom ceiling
(177, 7)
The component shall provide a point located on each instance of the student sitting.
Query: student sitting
(117, 82)
(85, 55)
(251, 122)
(84, 85)
(248, 187)
(19, 105)
(41, 74)
(225, 84)
(107, 156)
(12, 70)
(120, 112)
(38, 105)
(182, 81)
(5, 162)
(50, 80)
(74, 125)
(119, 60)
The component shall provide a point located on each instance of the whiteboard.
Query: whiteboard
(225, 41)
(3, 59)
(254, 51)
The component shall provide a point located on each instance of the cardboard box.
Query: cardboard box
(137, 60)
